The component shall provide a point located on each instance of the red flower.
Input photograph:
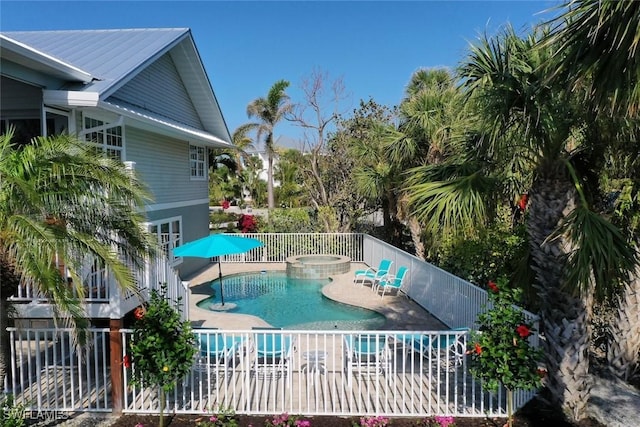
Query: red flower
(126, 361)
(478, 348)
(225, 204)
(138, 313)
(541, 372)
(247, 224)
(523, 331)
(493, 287)
(522, 203)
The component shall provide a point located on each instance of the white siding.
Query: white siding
(159, 89)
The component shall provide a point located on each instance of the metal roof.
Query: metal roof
(21, 53)
(109, 55)
(113, 57)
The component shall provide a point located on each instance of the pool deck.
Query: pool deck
(401, 312)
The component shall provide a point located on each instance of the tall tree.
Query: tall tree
(598, 43)
(288, 170)
(60, 199)
(227, 166)
(553, 141)
(371, 174)
(316, 114)
(270, 111)
(428, 118)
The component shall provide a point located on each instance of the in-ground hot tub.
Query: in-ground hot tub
(317, 266)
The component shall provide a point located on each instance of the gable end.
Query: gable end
(159, 89)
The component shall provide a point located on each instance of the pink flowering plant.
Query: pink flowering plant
(437, 421)
(501, 353)
(379, 421)
(222, 418)
(286, 420)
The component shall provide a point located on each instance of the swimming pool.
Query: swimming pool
(286, 302)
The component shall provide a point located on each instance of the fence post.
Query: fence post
(115, 351)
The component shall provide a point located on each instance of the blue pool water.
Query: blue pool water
(286, 302)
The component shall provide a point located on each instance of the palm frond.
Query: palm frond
(602, 256)
(596, 43)
(458, 205)
(61, 198)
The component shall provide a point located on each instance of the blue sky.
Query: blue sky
(247, 46)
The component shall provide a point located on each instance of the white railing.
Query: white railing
(50, 373)
(454, 301)
(103, 295)
(279, 246)
(393, 373)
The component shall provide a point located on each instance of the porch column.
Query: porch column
(117, 383)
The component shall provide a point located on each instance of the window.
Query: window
(198, 162)
(23, 129)
(104, 135)
(169, 235)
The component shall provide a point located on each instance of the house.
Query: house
(143, 96)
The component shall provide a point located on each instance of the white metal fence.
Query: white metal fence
(279, 246)
(50, 373)
(319, 376)
(392, 373)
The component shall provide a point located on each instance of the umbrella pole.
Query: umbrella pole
(220, 279)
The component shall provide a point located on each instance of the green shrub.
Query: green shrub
(162, 347)
(11, 415)
(501, 353)
(495, 252)
(294, 220)
(223, 418)
(220, 217)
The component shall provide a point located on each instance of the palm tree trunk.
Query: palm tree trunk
(624, 348)
(270, 197)
(564, 316)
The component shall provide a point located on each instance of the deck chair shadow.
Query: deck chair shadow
(372, 275)
(390, 282)
(367, 355)
(440, 349)
(272, 354)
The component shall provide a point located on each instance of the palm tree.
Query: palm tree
(597, 41)
(243, 142)
(60, 199)
(227, 166)
(374, 175)
(533, 132)
(428, 116)
(270, 111)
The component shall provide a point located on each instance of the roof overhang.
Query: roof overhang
(166, 126)
(23, 54)
(70, 98)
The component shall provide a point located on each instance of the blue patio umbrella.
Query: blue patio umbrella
(217, 245)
